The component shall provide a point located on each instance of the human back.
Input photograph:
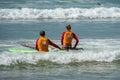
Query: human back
(67, 37)
(42, 43)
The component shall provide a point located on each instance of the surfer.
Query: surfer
(67, 37)
(42, 43)
(99, 4)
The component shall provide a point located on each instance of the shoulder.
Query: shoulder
(48, 40)
(73, 34)
(63, 33)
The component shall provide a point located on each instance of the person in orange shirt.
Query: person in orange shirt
(67, 37)
(42, 43)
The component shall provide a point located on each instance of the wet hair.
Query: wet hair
(68, 27)
(42, 33)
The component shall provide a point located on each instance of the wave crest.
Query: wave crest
(58, 58)
(60, 13)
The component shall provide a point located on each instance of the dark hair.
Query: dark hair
(42, 33)
(68, 27)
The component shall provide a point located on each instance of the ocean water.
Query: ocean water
(95, 22)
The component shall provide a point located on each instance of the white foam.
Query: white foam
(60, 13)
(103, 50)
(60, 58)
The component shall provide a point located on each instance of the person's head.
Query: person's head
(68, 27)
(42, 33)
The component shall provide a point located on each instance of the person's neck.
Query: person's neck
(42, 36)
(67, 30)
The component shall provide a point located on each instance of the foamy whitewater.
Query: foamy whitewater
(61, 13)
(94, 50)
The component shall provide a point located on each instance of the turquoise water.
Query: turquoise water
(95, 22)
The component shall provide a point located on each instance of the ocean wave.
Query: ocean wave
(95, 50)
(8, 58)
(61, 13)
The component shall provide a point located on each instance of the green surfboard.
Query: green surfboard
(21, 50)
(32, 50)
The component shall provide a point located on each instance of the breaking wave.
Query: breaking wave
(61, 13)
(94, 51)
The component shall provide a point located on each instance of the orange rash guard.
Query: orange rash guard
(42, 44)
(68, 36)
(64, 41)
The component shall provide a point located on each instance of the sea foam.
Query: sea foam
(60, 58)
(95, 50)
(60, 13)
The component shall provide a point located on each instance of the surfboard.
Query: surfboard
(33, 50)
(21, 50)
(32, 46)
